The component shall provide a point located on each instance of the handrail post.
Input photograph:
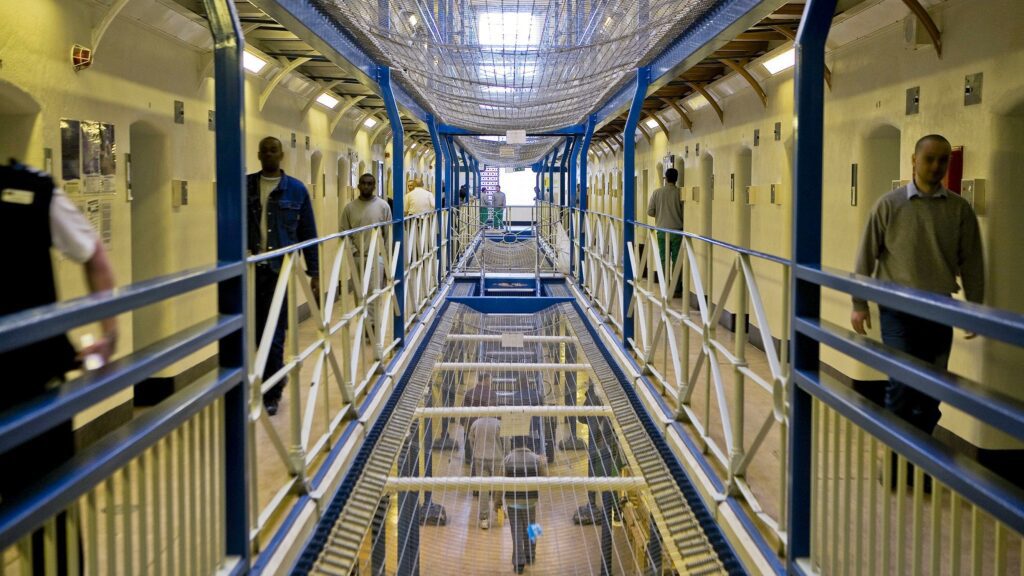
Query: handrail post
(584, 203)
(643, 78)
(231, 245)
(808, 136)
(439, 200)
(398, 191)
(572, 197)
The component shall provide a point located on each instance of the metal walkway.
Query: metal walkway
(613, 501)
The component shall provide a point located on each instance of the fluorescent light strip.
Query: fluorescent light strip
(781, 62)
(252, 62)
(327, 100)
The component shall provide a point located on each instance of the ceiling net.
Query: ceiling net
(493, 151)
(496, 65)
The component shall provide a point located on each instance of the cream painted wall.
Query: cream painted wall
(137, 76)
(870, 77)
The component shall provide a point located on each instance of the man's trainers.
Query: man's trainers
(271, 406)
(485, 524)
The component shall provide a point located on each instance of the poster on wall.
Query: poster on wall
(88, 156)
(98, 213)
(70, 150)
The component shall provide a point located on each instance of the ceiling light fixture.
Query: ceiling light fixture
(370, 122)
(780, 62)
(327, 100)
(508, 29)
(413, 20)
(652, 123)
(252, 62)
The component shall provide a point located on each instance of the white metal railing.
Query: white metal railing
(701, 375)
(162, 513)
(331, 359)
(860, 525)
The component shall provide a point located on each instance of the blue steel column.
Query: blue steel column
(572, 197)
(551, 175)
(465, 166)
(643, 78)
(231, 240)
(398, 191)
(438, 184)
(807, 180)
(561, 172)
(584, 179)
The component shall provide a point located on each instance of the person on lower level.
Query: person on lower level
(921, 235)
(666, 206)
(35, 215)
(488, 456)
(280, 214)
(521, 505)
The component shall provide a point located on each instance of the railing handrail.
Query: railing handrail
(684, 233)
(993, 322)
(29, 326)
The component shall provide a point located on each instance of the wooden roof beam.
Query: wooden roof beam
(711, 100)
(741, 69)
(682, 115)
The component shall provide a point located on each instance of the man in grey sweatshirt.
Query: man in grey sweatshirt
(921, 235)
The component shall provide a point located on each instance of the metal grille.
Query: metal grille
(495, 65)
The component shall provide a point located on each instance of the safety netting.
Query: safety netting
(494, 151)
(496, 65)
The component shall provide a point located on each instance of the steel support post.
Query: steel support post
(572, 198)
(561, 172)
(808, 134)
(398, 191)
(643, 78)
(584, 179)
(231, 246)
(440, 198)
(551, 175)
(453, 193)
(465, 167)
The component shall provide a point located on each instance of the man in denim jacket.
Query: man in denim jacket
(280, 214)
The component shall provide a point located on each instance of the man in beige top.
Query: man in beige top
(666, 206)
(921, 235)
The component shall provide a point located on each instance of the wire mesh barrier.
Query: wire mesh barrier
(494, 151)
(536, 437)
(491, 67)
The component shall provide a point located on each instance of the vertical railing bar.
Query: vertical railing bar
(887, 481)
(872, 502)
(93, 531)
(936, 514)
(108, 495)
(126, 516)
(835, 484)
(220, 460)
(50, 547)
(179, 461)
(201, 487)
(859, 524)
(25, 552)
(901, 514)
(976, 540)
(73, 545)
(847, 493)
(155, 480)
(816, 498)
(1000, 549)
(916, 527)
(295, 450)
(955, 544)
(142, 486)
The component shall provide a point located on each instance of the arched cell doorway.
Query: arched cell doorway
(18, 114)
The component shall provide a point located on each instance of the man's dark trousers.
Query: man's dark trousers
(923, 339)
(266, 281)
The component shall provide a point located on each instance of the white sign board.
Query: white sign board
(515, 136)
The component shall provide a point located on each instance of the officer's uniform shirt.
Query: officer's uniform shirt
(70, 232)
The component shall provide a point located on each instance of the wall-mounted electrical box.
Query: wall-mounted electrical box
(732, 187)
(757, 136)
(853, 184)
(897, 183)
(972, 89)
(775, 194)
(752, 193)
(211, 120)
(974, 192)
(778, 131)
(695, 194)
(179, 193)
(179, 112)
(913, 100)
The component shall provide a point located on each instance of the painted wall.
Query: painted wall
(137, 76)
(866, 124)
